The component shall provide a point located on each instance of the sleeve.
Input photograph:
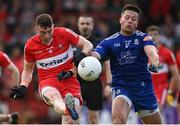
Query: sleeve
(102, 50)
(147, 40)
(72, 37)
(28, 54)
(171, 58)
(178, 60)
(4, 60)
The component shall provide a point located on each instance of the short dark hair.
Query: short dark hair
(132, 8)
(44, 20)
(153, 28)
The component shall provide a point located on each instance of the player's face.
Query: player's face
(129, 21)
(85, 26)
(155, 36)
(45, 33)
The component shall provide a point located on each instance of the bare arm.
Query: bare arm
(14, 73)
(26, 76)
(85, 45)
(175, 81)
(152, 55)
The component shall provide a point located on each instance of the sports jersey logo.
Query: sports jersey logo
(55, 61)
(136, 42)
(127, 43)
(50, 51)
(117, 44)
(61, 46)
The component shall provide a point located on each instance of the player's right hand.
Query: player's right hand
(107, 90)
(18, 92)
(153, 68)
(78, 58)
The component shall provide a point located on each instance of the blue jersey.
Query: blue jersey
(128, 60)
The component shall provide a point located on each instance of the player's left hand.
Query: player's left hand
(78, 58)
(65, 75)
(153, 68)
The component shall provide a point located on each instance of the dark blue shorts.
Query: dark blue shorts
(139, 94)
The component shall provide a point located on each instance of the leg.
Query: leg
(52, 97)
(120, 110)
(93, 116)
(150, 116)
(92, 96)
(154, 118)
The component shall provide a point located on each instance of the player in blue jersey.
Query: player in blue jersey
(129, 52)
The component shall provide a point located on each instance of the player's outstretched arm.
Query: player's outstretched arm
(27, 73)
(85, 45)
(19, 92)
(153, 56)
(14, 74)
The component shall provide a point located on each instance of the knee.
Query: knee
(93, 119)
(118, 119)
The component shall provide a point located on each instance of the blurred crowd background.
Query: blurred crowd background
(17, 19)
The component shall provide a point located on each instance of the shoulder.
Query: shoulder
(59, 29)
(140, 33)
(4, 56)
(31, 42)
(62, 31)
(112, 37)
(165, 49)
(143, 35)
(1, 53)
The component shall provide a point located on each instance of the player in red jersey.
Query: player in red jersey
(51, 51)
(6, 63)
(167, 63)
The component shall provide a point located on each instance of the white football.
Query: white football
(89, 68)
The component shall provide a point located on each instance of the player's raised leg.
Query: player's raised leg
(53, 97)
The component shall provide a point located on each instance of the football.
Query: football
(89, 68)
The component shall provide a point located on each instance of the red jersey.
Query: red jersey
(167, 59)
(178, 59)
(4, 60)
(55, 57)
(160, 79)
